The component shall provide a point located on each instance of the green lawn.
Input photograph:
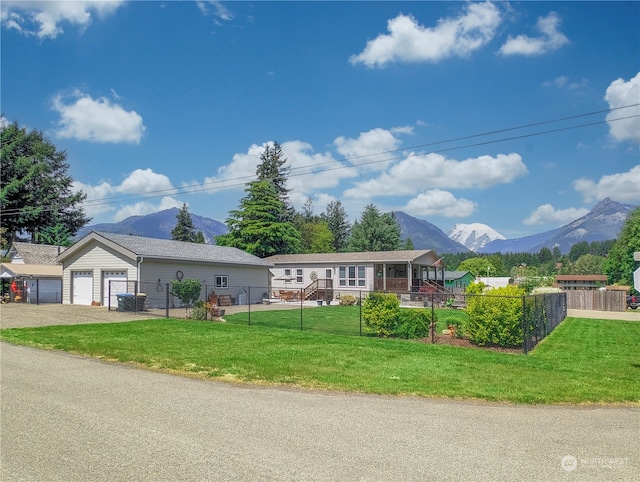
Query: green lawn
(582, 361)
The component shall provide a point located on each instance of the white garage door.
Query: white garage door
(82, 287)
(118, 280)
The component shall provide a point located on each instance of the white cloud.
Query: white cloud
(96, 120)
(436, 202)
(373, 150)
(622, 187)
(139, 183)
(44, 19)
(309, 170)
(408, 41)
(421, 171)
(213, 8)
(547, 214)
(550, 40)
(619, 94)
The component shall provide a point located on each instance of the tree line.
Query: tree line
(37, 200)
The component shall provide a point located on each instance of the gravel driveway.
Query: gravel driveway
(21, 315)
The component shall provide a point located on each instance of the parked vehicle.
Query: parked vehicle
(633, 301)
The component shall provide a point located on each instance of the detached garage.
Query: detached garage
(102, 265)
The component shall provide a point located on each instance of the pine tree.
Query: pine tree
(184, 229)
(336, 218)
(257, 227)
(375, 232)
(35, 188)
(273, 167)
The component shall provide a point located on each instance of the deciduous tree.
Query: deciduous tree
(619, 266)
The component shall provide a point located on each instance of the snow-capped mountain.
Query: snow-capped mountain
(474, 236)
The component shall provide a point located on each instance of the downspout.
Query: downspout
(138, 277)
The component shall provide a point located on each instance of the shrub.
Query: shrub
(199, 311)
(348, 300)
(187, 290)
(496, 319)
(456, 325)
(380, 313)
(412, 323)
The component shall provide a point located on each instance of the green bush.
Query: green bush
(496, 318)
(412, 323)
(380, 313)
(187, 290)
(199, 311)
(348, 300)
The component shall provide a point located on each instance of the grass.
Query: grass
(340, 320)
(582, 361)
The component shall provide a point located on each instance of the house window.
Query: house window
(287, 275)
(328, 274)
(222, 281)
(299, 275)
(352, 276)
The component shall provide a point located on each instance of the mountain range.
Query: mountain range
(602, 223)
(158, 225)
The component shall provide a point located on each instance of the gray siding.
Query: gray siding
(155, 274)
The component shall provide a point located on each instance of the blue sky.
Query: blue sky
(163, 103)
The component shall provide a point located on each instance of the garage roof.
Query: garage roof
(19, 270)
(135, 246)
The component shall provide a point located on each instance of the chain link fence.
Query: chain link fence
(456, 318)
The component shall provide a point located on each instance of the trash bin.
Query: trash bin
(140, 299)
(125, 302)
(131, 302)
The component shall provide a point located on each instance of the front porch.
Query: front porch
(409, 277)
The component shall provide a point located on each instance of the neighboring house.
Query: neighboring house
(344, 273)
(102, 265)
(458, 281)
(36, 283)
(35, 270)
(495, 281)
(580, 281)
(29, 253)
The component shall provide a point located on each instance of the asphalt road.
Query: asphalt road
(68, 418)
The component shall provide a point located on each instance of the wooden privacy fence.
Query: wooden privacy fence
(598, 300)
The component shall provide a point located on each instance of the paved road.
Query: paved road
(68, 418)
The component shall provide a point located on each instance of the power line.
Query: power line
(242, 180)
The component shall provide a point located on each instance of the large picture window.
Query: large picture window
(352, 276)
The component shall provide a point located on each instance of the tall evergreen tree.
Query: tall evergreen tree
(257, 227)
(35, 188)
(184, 229)
(273, 167)
(339, 225)
(375, 231)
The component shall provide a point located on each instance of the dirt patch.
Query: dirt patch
(465, 343)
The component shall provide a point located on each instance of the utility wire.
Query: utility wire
(313, 168)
